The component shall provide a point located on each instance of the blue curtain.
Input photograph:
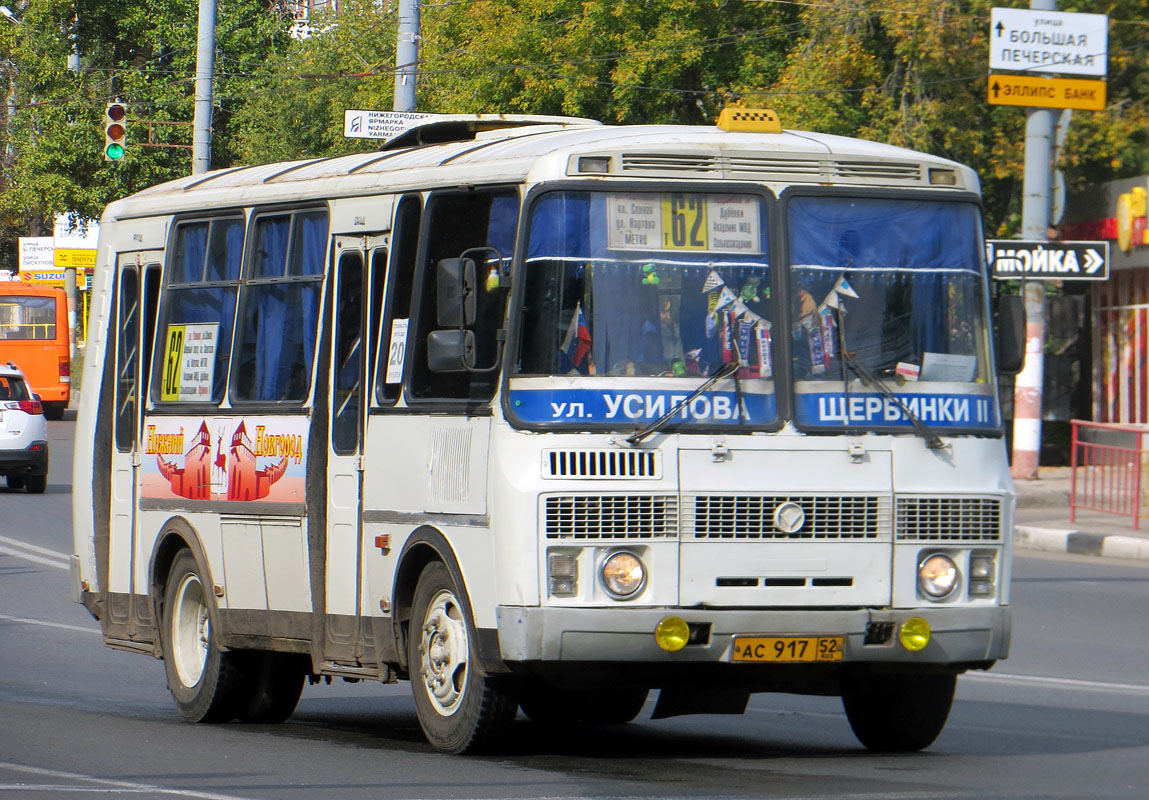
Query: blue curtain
(191, 246)
(271, 236)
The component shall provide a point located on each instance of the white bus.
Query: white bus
(540, 413)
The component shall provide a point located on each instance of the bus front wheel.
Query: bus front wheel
(460, 709)
(204, 681)
(898, 713)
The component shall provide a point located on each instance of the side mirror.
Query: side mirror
(455, 293)
(1010, 334)
(451, 350)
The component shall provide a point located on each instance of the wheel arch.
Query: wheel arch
(176, 534)
(425, 545)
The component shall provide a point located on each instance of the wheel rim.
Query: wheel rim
(191, 631)
(444, 653)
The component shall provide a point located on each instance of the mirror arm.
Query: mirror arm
(501, 338)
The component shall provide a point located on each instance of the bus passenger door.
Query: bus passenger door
(345, 639)
(136, 293)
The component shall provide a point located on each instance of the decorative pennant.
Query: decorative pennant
(712, 282)
(842, 287)
(745, 332)
(812, 324)
(765, 361)
(829, 332)
(725, 298)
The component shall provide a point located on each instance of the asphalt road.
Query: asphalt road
(1067, 716)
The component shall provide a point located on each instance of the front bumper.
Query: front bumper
(960, 635)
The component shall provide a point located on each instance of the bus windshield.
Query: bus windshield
(898, 284)
(633, 299)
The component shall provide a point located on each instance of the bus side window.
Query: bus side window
(275, 348)
(400, 278)
(127, 359)
(202, 283)
(457, 223)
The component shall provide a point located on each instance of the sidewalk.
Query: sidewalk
(1042, 522)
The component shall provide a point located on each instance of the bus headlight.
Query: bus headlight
(938, 576)
(623, 575)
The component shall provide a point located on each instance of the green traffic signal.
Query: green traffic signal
(115, 131)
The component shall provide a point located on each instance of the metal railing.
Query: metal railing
(1109, 458)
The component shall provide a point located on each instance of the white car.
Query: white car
(23, 433)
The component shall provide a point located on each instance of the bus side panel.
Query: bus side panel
(92, 458)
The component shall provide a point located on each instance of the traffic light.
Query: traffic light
(115, 131)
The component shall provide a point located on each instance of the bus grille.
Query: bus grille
(611, 517)
(766, 167)
(602, 464)
(949, 519)
(752, 517)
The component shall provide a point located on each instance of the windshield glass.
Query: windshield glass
(632, 299)
(900, 285)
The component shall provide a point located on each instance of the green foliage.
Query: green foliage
(143, 54)
(907, 73)
(292, 106)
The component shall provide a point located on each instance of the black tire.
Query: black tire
(15, 481)
(35, 484)
(898, 713)
(551, 705)
(274, 683)
(54, 411)
(205, 682)
(461, 709)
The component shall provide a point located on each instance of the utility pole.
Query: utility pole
(406, 55)
(205, 67)
(1035, 210)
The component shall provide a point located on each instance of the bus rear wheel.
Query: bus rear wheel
(274, 684)
(898, 713)
(460, 709)
(205, 682)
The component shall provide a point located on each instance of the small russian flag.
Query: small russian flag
(577, 343)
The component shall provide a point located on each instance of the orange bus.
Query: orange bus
(34, 337)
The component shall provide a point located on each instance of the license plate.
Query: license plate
(789, 648)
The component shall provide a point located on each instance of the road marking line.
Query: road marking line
(35, 559)
(1057, 683)
(45, 624)
(35, 548)
(118, 785)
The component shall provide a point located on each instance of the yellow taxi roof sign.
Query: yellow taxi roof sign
(752, 120)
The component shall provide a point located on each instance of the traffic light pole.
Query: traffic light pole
(406, 55)
(205, 67)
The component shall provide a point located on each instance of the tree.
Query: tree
(143, 54)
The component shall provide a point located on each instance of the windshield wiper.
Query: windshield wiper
(932, 440)
(725, 371)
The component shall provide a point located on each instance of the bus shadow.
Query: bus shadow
(975, 729)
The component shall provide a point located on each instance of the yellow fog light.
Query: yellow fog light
(915, 634)
(672, 634)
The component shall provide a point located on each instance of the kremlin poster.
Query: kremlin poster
(232, 458)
